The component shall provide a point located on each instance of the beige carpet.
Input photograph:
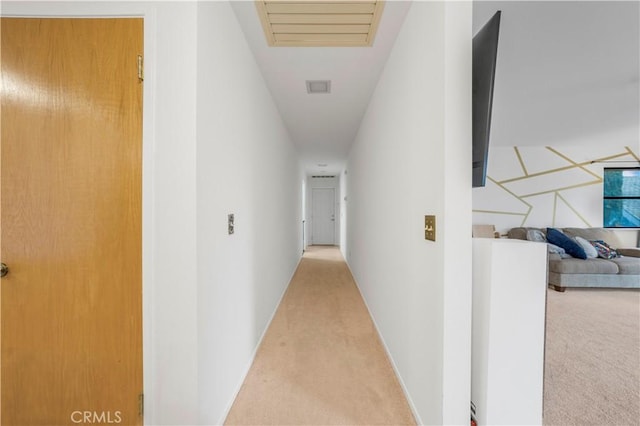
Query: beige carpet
(321, 361)
(592, 366)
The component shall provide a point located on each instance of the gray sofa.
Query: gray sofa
(619, 272)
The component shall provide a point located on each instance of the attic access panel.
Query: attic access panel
(320, 23)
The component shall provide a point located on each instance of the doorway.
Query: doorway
(70, 221)
(323, 216)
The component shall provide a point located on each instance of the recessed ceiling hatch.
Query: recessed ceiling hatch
(318, 86)
(320, 22)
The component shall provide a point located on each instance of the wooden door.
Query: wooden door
(323, 219)
(70, 209)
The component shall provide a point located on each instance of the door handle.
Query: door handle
(4, 269)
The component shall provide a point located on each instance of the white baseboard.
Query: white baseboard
(414, 411)
(227, 409)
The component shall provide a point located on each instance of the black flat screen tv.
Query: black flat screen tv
(485, 52)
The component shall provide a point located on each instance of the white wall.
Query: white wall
(457, 214)
(201, 161)
(548, 186)
(169, 234)
(172, 376)
(326, 182)
(508, 331)
(246, 165)
(409, 160)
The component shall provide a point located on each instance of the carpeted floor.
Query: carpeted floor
(321, 361)
(592, 365)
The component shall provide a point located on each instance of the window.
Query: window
(621, 200)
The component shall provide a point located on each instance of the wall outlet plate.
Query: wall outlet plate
(430, 227)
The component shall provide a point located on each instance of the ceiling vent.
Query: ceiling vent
(318, 86)
(323, 177)
(307, 23)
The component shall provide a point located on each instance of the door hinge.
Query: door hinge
(140, 68)
(141, 405)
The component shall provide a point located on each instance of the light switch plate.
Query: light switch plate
(231, 223)
(430, 227)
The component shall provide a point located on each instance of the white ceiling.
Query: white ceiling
(322, 125)
(567, 73)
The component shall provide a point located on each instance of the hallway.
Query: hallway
(321, 360)
(231, 135)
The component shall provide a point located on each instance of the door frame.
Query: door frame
(148, 14)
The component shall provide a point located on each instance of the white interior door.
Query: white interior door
(323, 216)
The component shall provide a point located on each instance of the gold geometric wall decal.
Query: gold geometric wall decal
(562, 188)
(504, 212)
(500, 212)
(605, 159)
(560, 169)
(558, 183)
(505, 189)
(564, 157)
(532, 175)
(566, 203)
(524, 219)
(633, 154)
(494, 195)
(524, 168)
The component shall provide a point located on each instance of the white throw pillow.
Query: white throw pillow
(588, 248)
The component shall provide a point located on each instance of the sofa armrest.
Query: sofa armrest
(631, 252)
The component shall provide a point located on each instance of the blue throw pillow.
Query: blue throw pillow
(567, 243)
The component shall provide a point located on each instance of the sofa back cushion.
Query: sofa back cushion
(593, 234)
(520, 233)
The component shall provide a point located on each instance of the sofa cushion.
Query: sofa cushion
(567, 243)
(628, 265)
(588, 247)
(592, 234)
(579, 266)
